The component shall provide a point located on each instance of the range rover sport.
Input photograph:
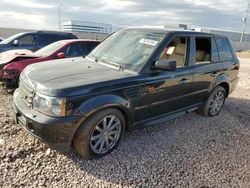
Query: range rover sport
(135, 78)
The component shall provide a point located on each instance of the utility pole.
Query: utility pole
(244, 19)
(59, 17)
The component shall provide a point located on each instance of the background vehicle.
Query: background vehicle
(57, 50)
(10, 56)
(136, 77)
(33, 40)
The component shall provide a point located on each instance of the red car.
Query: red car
(12, 68)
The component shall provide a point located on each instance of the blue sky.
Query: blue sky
(34, 14)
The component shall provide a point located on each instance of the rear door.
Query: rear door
(206, 65)
(228, 60)
(43, 40)
(91, 46)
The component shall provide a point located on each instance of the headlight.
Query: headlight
(11, 72)
(49, 105)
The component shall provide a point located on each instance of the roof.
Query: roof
(80, 40)
(167, 31)
(49, 32)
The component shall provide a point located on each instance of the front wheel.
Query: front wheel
(100, 134)
(214, 103)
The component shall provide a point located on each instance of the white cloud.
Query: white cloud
(117, 4)
(28, 3)
(225, 14)
(23, 20)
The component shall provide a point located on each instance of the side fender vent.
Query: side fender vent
(132, 93)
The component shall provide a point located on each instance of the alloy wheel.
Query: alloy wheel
(105, 134)
(217, 103)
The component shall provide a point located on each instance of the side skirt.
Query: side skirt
(165, 117)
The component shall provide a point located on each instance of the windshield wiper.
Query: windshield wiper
(121, 68)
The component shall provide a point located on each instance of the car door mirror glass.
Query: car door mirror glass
(16, 43)
(61, 55)
(163, 64)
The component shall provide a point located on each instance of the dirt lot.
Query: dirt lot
(191, 151)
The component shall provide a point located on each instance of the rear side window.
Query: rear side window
(224, 49)
(65, 37)
(215, 54)
(46, 39)
(91, 46)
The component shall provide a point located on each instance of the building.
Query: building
(233, 36)
(86, 27)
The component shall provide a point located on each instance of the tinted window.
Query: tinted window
(75, 50)
(84, 49)
(64, 37)
(46, 39)
(91, 46)
(26, 40)
(224, 49)
(215, 55)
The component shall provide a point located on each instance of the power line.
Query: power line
(244, 19)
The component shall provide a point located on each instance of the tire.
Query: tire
(92, 137)
(209, 109)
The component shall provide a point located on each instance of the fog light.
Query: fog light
(30, 127)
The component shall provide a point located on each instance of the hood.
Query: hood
(61, 76)
(15, 55)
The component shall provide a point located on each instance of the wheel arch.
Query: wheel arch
(225, 85)
(223, 81)
(98, 103)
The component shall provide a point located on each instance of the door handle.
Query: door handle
(184, 81)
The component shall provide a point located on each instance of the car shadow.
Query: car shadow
(166, 149)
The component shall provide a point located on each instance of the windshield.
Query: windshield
(6, 41)
(128, 49)
(50, 49)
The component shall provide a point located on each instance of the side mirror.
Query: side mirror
(16, 43)
(167, 65)
(61, 55)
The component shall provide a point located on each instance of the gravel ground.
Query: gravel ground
(191, 151)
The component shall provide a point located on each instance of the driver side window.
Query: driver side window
(176, 50)
(26, 40)
(74, 50)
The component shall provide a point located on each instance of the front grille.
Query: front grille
(27, 94)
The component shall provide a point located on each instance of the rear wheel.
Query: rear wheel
(214, 103)
(100, 134)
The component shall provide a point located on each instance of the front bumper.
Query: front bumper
(56, 132)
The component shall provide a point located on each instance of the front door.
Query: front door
(167, 92)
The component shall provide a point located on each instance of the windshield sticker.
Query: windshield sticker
(148, 42)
